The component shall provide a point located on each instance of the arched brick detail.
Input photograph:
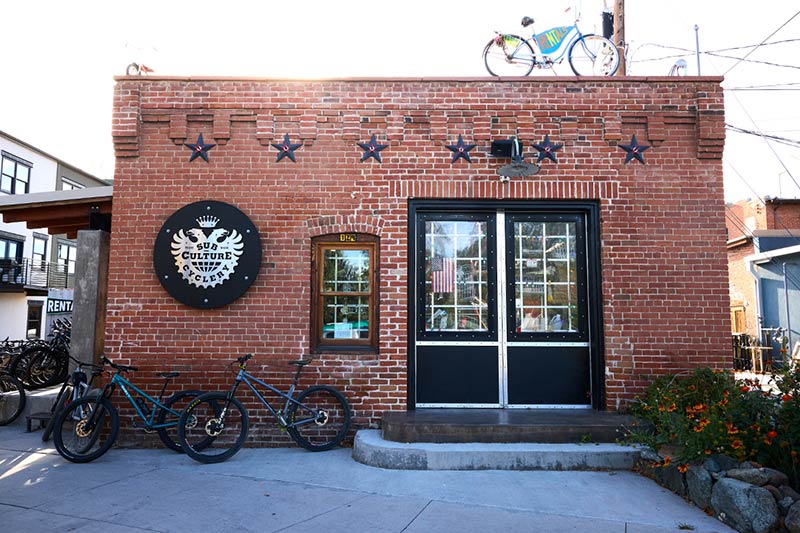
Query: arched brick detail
(353, 223)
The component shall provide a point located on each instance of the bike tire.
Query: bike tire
(498, 62)
(200, 420)
(70, 437)
(593, 55)
(46, 368)
(12, 399)
(62, 401)
(18, 367)
(176, 402)
(320, 420)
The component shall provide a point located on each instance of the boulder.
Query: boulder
(698, 486)
(671, 478)
(744, 507)
(754, 476)
(718, 462)
(786, 490)
(792, 520)
(775, 492)
(776, 477)
(785, 505)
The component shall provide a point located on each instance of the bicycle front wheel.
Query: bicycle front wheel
(508, 55)
(12, 398)
(86, 429)
(212, 429)
(593, 55)
(320, 419)
(167, 419)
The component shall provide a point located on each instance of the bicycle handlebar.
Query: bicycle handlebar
(243, 359)
(117, 367)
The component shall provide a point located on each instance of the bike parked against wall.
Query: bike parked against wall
(88, 427)
(588, 54)
(12, 398)
(317, 418)
(79, 385)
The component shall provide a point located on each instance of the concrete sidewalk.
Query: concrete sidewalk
(289, 489)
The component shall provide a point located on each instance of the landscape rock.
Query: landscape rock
(718, 462)
(698, 486)
(786, 490)
(776, 477)
(673, 480)
(776, 493)
(792, 520)
(785, 504)
(754, 476)
(744, 507)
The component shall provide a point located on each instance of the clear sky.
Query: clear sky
(59, 59)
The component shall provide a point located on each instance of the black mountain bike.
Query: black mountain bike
(214, 426)
(12, 398)
(76, 387)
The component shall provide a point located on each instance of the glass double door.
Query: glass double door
(501, 309)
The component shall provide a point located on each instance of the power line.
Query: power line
(782, 140)
(762, 42)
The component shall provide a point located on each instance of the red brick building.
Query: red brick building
(418, 278)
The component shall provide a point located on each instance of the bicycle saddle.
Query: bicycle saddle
(526, 21)
(168, 375)
(301, 363)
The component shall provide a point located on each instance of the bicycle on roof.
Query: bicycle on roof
(588, 54)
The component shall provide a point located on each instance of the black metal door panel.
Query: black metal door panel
(548, 375)
(457, 375)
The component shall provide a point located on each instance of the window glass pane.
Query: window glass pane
(345, 317)
(545, 276)
(23, 173)
(5, 184)
(456, 276)
(8, 167)
(346, 270)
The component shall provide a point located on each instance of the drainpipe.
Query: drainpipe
(786, 297)
(751, 267)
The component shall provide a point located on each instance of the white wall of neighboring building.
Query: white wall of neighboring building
(13, 315)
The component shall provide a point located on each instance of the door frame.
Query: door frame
(589, 209)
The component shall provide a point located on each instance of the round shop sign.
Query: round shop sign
(207, 254)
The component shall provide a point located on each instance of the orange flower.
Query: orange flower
(767, 441)
(731, 428)
(667, 460)
(793, 453)
(672, 407)
(683, 468)
(698, 429)
(737, 444)
(786, 397)
(661, 408)
(725, 394)
(699, 407)
(772, 434)
(691, 387)
(744, 388)
(708, 451)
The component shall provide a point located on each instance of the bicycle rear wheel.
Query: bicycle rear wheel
(508, 55)
(593, 55)
(12, 398)
(86, 429)
(321, 419)
(46, 368)
(177, 402)
(207, 437)
(61, 403)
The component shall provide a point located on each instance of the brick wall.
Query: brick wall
(664, 269)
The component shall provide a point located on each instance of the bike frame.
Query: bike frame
(545, 44)
(124, 385)
(247, 378)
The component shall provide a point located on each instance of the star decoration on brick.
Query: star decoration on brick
(286, 149)
(199, 149)
(547, 150)
(634, 150)
(372, 149)
(461, 150)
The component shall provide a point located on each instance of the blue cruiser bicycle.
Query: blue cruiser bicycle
(588, 54)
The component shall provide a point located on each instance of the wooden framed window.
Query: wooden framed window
(344, 308)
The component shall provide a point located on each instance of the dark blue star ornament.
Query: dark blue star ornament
(461, 150)
(547, 150)
(634, 150)
(286, 149)
(199, 149)
(372, 149)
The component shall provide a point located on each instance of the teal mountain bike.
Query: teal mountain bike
(588, 54)
(88, 427)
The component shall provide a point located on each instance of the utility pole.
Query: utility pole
(619, 33)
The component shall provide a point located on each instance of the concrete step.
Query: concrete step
(504, 425)
(370, 448)
(37, 401)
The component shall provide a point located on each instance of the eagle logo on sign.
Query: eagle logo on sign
(207, 256)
